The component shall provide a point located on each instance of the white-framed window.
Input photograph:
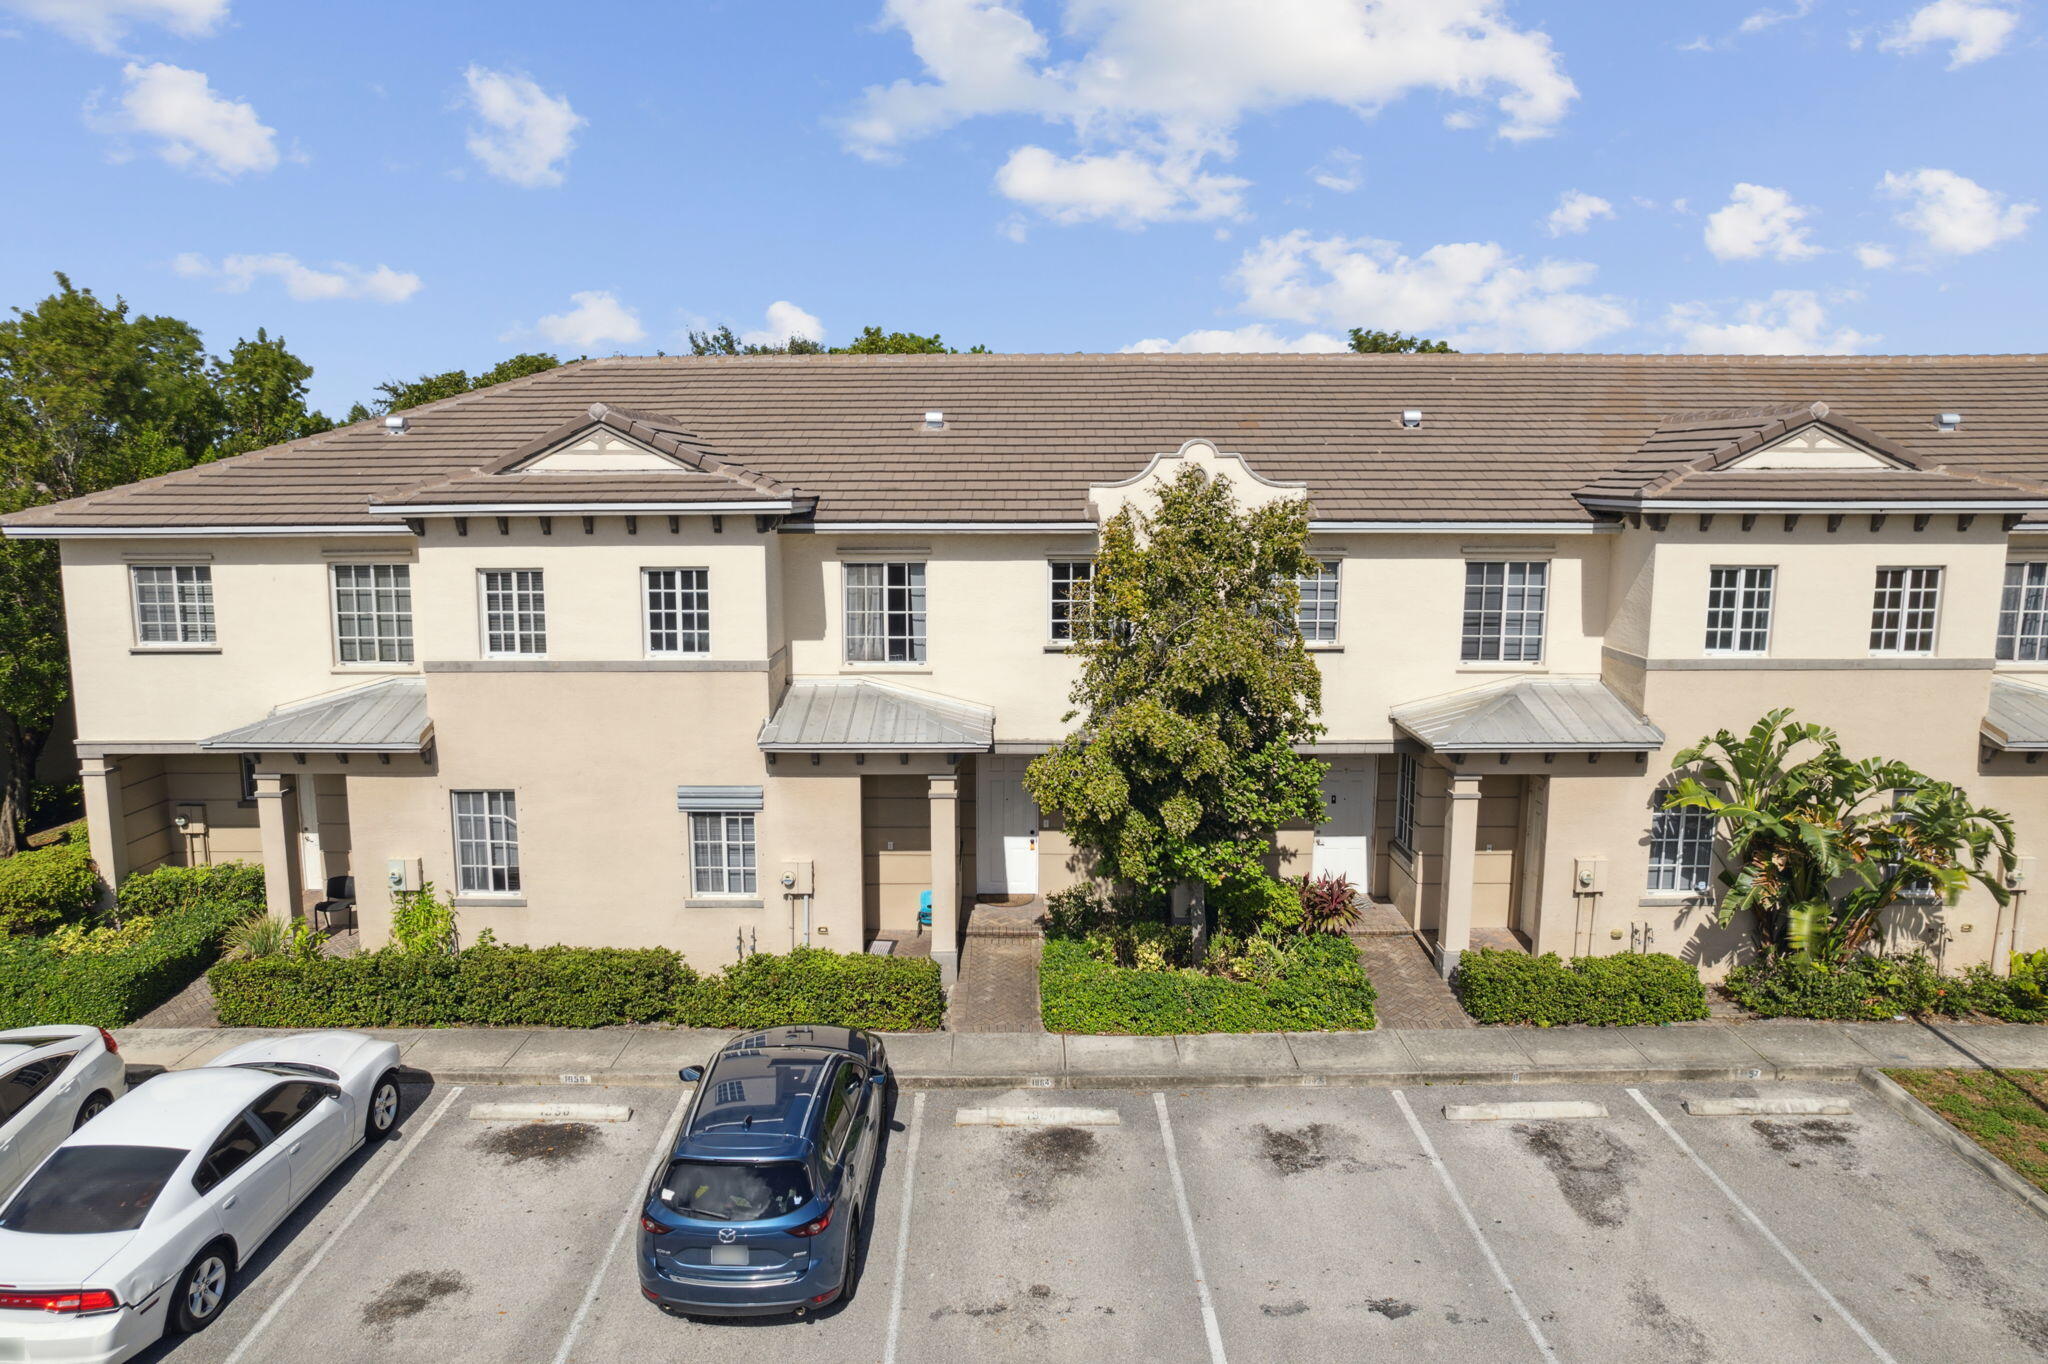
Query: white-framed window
(373, 613)
(885, 613)
(515, 612)
(486, 843)
(722, 853)
(1316, 617)
(678, 610)
(1739, 609)
(1681, 851)
(2023, 613)
(1069, 600)
(1904, 610)
(1504, 609)
(173, 603)
(1405, 777)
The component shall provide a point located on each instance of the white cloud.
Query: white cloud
(102, 24)
(598, 319)
(1954, 214)
(1575, 212)
(525, 134)
(785, 320)
(1476, 295)
(379, 284)
(1759, 221)
(1771, 18)
(1974, 29)
(1123, 188)
(1789, 322)
(200, 130)
(1256, 336)
(1168, 81)
(1871, 256)
(1341, 172)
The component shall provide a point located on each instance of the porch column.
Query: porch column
(1461, 845)
(105, 819)
(945, 811)
(277, 818)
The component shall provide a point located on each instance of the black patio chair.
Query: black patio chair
(341, 899)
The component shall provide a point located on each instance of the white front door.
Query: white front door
(1344, 839)
(1006, 828)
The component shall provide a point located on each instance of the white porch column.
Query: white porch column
(945, 812)
(105, 819)
(277, 820)
(1461, 846)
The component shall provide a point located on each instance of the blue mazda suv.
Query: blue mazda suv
(759, 1208)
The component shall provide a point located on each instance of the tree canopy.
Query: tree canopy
(396, 395)
(1393, 343)
(871, 341)
(1195, 688)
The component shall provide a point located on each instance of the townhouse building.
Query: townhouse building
(736, 654)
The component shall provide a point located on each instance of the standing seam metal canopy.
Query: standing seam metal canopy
(1535, 714)
(860, 713)
(384, 717)
(2017, 717)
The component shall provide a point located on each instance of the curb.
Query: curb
(1902, 1102)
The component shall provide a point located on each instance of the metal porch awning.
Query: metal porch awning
(2016, 719)
(388, 716)
(1530, 715)
(861, 714)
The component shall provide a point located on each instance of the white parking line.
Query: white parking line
(626, 1224)
(1768, 1234)
(1187, 1225)
(412, 1142)
(903, 1232)
(1472, 1225)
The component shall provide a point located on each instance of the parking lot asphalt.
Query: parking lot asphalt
(1327, 1222)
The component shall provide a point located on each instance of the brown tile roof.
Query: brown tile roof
(1504, 438)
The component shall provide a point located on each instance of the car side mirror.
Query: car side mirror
(880, 1077)
(690, 1075)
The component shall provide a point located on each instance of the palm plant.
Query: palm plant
(1818, 845)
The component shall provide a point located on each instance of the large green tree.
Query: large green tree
(261, 387)
(1816, 845)
(1393, 343)
(397, 395)
(1195, 690)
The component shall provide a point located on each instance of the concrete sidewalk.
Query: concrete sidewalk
(1749, 1051)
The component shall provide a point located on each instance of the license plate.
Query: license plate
(728, 1255)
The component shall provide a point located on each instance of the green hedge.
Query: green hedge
(1511, 987)
(193, 908)
(1878, 988)
(577, 987)
(1323, 988)
(43, 887)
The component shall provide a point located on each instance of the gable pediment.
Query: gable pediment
(599, 450)
(1814, 446)
(1251, 488)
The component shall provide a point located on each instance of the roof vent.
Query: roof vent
(1412, 417)
(396, 425)
(1948, 421)
(934, 421)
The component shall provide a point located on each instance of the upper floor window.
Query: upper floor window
(1070, 581)
(2023, 614)
(885, 613)
(173, 604)
(1404, 801)
(1316, 618)
(1739, 610)
(1504, 604)
(1681, 850)
(373, 613)
(515, 612)
(678, 610)
(1904, 610)
(486, 842)
(722, 853)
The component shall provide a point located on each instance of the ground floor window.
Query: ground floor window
(1681, 850)
(486, 842)
(1404, 802)
(722, 853)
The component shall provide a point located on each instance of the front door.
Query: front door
(1344, 839)
(1006, 828)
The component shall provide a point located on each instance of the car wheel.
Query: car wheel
(201, 1290)
(849, 1277)
(99, 1103)
(383, 1115)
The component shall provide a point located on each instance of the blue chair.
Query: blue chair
(924, 909)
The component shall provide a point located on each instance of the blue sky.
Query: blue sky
(403, 187)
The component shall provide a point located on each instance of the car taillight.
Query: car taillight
(813, 1228)
(651, 1227)
(113, 1047)
(63, 1300)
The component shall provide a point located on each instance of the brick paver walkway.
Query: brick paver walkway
(998, 986)
(1412, 994)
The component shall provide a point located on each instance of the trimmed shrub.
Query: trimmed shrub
(1873, 987)
(1511, 987)
(198, 906)
(1321, 986)
(576, 987)
(43, 887)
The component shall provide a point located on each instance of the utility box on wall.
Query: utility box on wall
(403, 873)
(797, 876)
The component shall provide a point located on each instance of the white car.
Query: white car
(52, 1081)
(134, 1225)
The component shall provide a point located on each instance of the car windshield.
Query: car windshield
(85, 1189)
(735, 1191)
